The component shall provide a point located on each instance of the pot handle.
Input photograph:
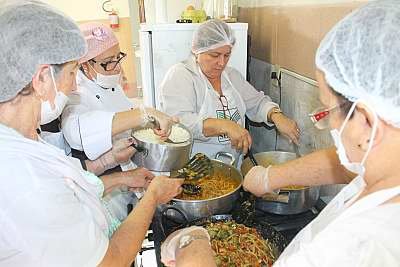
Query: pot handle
(164, 214)
(225, 154)
(281, 197)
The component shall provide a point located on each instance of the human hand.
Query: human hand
(287, 127)
(164, 188)
(137, 178)
(121, 152)
(163, 122)
(256, 181)
(240, 137)
(171, 244)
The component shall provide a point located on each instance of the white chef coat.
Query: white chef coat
(86, 121)
(86, 124)
(186, 93)
(50, 215)
(349, 232)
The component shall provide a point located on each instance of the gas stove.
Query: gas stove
(287, 225)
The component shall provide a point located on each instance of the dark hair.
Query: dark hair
(27, 90)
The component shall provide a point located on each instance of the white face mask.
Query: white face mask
(48, 114)
(355, 167)
(106, 81)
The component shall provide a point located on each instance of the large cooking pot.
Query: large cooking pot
(181, 210)
(288, 201)
(163, 157)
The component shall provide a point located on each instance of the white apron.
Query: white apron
(209, 110)
(341, 207)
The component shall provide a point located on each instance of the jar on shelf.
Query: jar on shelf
(226, 10)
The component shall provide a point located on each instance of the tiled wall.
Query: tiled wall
(289, 35)
(299, 98)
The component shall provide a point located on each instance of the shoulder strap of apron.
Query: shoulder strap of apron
(239, 97)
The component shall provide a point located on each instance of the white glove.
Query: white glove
(162, 124)
(171, 244)
(256, 181)
(121, 152)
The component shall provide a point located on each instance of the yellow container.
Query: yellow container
(196, 16)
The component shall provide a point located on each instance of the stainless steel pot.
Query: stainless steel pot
(195, 209)
(288, 201)
(163, 157)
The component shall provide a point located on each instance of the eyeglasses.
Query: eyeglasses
(319, 116)
(112, 64)
(225, 108)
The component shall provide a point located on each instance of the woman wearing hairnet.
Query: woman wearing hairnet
(51, 211)
(98, 115)
(212, 99)
(359, 80)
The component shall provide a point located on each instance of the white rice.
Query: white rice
(178, 135)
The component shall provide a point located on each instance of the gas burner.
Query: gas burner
(147, 255)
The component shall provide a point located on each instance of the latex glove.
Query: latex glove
(163, 188)
(240, 137)
(256, 181)
(171, 244)
(287, 127)
(121, 152)
(134, 179)
(163, 124)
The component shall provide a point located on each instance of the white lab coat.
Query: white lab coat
(50, 215)
(349, 233)
(185, 92)
(86, 121)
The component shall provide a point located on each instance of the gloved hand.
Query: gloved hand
(171, 244)
(137, 178)
(256, 181)
(121, 152)
(163, 122)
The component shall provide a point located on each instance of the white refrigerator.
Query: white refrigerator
(163, 45)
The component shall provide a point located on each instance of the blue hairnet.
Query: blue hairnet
(33, 33)
(210, 35)
(360, 58)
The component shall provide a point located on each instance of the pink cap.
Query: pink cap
(99, 38)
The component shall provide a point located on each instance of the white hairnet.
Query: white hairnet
(210, 35)
(33, 33)
(360, 58)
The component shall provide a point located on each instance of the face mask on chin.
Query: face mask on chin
(106, 81)
(355, 167)
(48, 114)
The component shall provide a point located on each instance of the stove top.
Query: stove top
(244, 211)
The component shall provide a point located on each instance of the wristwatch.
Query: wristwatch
(273, 111)
(186, 240)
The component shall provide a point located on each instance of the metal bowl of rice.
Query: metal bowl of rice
(162, 156)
